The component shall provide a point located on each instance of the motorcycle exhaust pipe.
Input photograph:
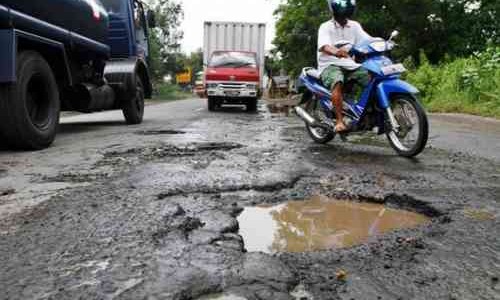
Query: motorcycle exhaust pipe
(305, 116)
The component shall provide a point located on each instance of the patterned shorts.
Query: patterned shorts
(333, 75)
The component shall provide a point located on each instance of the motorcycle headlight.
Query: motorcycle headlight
(379, 46)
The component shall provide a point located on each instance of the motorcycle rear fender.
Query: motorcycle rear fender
(393, 86)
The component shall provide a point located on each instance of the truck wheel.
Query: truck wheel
(252, 105)
(212, 104)
(29, 108)
(133, 109)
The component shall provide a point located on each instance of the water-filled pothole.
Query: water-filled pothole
(318, 224)
(160, 132)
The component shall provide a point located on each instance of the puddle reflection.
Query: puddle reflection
(319, 223)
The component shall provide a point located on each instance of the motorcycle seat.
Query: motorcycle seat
(314, 73)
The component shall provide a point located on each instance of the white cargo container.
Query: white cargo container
(234, 36)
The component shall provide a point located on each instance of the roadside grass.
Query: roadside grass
(169, 92)
(465, 85)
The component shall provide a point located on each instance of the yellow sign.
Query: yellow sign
(184, 77)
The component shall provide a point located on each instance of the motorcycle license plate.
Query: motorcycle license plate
(393, 69)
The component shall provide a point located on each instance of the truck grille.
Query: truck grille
(233, 86)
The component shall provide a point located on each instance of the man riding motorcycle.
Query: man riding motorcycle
(334, 63)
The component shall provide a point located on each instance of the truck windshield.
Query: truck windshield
(233, 60)
(114, 6)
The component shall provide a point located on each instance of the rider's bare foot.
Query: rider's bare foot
(340, 127)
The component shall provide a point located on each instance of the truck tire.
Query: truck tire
(30, 107)
(133, 108)
(252, 105)
(212, 104)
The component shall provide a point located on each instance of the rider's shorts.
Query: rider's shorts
(334, 74)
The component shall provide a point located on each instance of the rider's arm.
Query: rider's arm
(334, 51)
(325, 43)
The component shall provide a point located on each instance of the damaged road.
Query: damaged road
(151, 211)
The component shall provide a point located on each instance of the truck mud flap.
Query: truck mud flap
(122, 76)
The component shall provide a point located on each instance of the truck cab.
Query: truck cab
(128, 28)
(232, 77)
(233, 56)
(67, 55)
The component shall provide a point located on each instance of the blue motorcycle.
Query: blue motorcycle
(387, 105)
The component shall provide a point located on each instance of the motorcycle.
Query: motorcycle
(387, 105)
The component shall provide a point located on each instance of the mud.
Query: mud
(131, 216)
(280, 109)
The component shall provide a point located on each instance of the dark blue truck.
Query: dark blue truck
(70, 55)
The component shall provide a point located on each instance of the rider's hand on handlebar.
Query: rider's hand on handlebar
(342, 53)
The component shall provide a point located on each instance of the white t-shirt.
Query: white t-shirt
(331, 33)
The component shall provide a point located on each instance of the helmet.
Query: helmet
(342, 8)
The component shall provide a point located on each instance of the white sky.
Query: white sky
(196, 12)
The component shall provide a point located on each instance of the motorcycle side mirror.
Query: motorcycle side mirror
(394, 34)
(151, 19)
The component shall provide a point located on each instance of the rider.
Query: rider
(334, 63)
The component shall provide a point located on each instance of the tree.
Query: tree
(296, 32)
(165, 38)
(438, 27)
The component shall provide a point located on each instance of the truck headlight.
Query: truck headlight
(212, 85)
(251, 86)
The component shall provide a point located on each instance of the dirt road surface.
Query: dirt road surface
(150, 211)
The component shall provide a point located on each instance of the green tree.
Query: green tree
(166, 37)
(440, 28)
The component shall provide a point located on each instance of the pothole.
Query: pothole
(319, 223)
(7, 192)
(222, 297)
(160, 132)
(165, 150)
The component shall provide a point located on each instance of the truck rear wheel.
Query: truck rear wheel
(30, 107)
(133, 108)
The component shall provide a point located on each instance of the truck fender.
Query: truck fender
(122, 76)
(13, 41)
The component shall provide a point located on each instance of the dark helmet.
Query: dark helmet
(342, 8)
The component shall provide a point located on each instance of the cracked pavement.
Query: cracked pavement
(149, 211)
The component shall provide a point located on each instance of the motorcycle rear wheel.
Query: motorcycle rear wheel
(320, 135)
(411, 139)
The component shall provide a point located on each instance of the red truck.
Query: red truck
(234, 63)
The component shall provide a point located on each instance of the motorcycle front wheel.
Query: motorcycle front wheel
(410, 139)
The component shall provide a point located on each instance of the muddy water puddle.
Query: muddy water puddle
(319, 224)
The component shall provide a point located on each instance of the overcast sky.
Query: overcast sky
(198, 11)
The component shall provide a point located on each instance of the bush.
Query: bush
(167, 91)
(465, 85)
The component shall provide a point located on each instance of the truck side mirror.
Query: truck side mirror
(151, 19)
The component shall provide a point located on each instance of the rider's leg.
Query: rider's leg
(333, 77)
(360, 76)
(338, 101)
